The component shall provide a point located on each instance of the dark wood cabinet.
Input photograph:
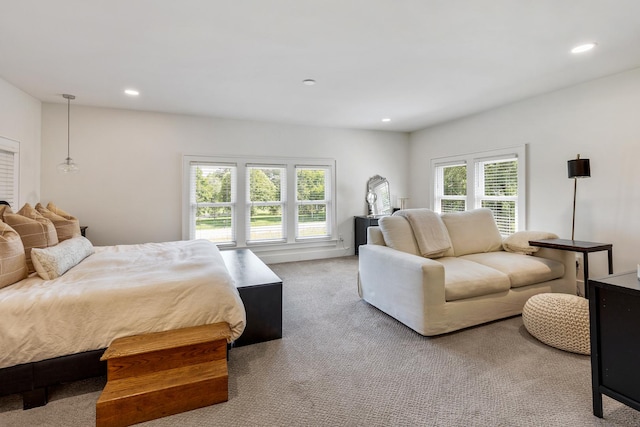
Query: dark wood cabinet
(261, 292)
(614, 309)
(361, 223)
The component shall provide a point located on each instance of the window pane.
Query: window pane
(455, 180)
(266, 223)
(501, 178)
(312, 220)
(452, 206)
(266, 184)
(311, 184)
(215, 224)
(213, 184)
(505, 214)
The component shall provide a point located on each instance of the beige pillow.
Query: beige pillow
(66, 228)
(53, 262)
(473, 231)
(56, 210)
(398, 234)
(35, 230)
(13, 262)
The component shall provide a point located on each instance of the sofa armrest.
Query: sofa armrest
(386, 274)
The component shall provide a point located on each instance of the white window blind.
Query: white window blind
(9, 176)
(497, 189)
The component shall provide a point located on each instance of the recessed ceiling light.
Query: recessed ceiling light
(309, 82)
(583, 48)
(386, 120)
(131, 92)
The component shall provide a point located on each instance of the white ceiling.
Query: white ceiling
(419, 62)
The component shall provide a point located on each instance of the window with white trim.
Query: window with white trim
(313, 201)
(9, 171)
(493, 179)
(252, 201)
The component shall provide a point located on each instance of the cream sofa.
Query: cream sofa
(473, 281)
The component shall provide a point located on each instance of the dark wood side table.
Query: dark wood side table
(261, 292)
(578, 246)
(361, 223)
(614, 312)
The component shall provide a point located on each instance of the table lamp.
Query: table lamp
(577, 168)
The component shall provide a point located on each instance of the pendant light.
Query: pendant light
(68, 166)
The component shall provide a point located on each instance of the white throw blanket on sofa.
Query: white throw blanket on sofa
(429, 230)
(518, 242)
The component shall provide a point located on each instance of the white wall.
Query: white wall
(129, 188)
(20, 121)
(598, 120)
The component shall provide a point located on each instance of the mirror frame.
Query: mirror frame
(378, 196)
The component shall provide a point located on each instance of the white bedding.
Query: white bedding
(118, 291)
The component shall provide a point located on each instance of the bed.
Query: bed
(56, 330)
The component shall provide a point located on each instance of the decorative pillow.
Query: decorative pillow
(53, 262)
(473, 231)
(66, 228)
(13, 262)
(35, 230)
(398, 234)
(56, 210)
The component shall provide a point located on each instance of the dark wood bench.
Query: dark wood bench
(261, 293)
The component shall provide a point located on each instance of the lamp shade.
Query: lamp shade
(579, 168)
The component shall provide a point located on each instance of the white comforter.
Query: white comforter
(118, 291)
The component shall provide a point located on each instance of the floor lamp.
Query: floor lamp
(577, 168)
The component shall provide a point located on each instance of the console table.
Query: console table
(614, 308)
(261, 293)
(578, 246)
(361, 223)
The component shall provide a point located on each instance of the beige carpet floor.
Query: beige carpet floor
(342, 362)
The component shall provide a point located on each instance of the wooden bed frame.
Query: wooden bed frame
(34, 379)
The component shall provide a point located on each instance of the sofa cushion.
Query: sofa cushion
(467, 279)
(398, 234)
(472, 232)
(523, 270)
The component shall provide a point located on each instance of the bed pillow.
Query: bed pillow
(53, 262)
(35, 230)
(66, 228)
(13, 262)
(56, 210)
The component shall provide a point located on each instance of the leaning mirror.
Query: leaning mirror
(378, 196)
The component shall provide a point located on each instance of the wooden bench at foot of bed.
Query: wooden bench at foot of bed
(154, 375)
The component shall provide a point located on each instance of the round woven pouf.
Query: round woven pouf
(559, 320)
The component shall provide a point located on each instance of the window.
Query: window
(493, 180)
(254, 201)
(9, 171)
(266, 202)
(313, 201)
(212, 201)
(451, 188)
